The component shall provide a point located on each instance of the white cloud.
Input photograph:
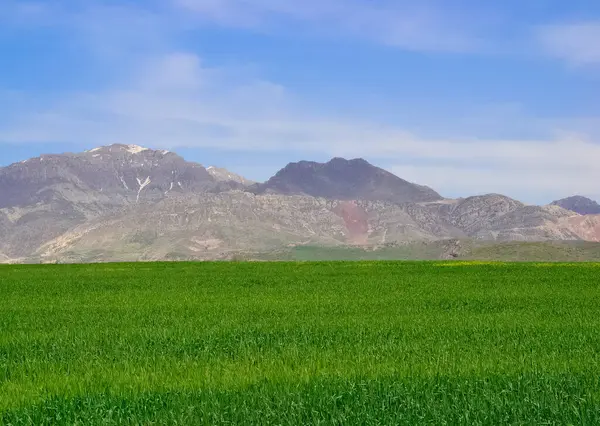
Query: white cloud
(531, 183)
(577, 43)
(176, 71)
(173, 101)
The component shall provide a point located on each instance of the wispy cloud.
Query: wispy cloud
(576, 43)
(420, 26)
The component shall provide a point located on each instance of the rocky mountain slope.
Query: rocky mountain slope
(579, 204)
(116, 174)
(44, 197)
(124, 202)
(215, 225)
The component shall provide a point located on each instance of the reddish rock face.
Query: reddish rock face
(356, 220)
(586, 227)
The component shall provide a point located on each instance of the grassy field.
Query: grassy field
(365, 343)
(508, 251)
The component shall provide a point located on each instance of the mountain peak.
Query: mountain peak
(579, 204)
(345, 180)
(115, 174)
(135, 149)
(342, 160)
(130, 148)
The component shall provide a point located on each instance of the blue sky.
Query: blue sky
(466, 96)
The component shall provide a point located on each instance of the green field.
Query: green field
(364, 343)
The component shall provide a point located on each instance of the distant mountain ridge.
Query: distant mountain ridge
(127, 202)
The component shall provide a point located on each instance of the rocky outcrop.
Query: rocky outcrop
(476, 213)
(224, 175)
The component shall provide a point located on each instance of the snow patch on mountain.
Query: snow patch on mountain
(135, 149)
(224, 175)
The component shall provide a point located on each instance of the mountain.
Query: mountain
(579, 204)
(126, 202)
(345, 180)
(224, 175)
(116, 174)
(42, 198)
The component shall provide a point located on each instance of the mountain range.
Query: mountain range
(129, 203)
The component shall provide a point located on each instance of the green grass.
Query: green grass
(300, 343)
